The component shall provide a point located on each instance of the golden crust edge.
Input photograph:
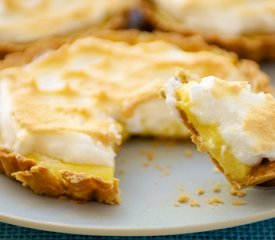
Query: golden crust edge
(258, 174)
(42, 180)
(257, 47)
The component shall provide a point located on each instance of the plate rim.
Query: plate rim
(120, 231)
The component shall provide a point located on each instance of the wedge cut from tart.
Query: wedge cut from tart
(51, 22)
(246, 27)
(230, 122)
(64, 116)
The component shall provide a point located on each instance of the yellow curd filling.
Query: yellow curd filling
(213, 142)
(104, 172)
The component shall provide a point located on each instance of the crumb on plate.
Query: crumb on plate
(183, 198)
(238, 202)
(188, 152)
(216, 188)
(238, 193)
(215, 201)
(200, 191)
(146, 164)
(194, 203)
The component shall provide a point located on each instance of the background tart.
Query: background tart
(68, 111)
(238, 131)
(245, 27)
(24, 23)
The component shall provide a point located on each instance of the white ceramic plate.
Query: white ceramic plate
(148, 198)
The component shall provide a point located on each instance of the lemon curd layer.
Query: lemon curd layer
(213, 141)
(235, 125)
(104, 172)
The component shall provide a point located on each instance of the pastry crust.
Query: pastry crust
(42, 180)
(258, 47)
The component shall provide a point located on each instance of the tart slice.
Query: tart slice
(64, 116)
(233, 124)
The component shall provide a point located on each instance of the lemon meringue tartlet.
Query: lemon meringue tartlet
(246, 27)
(64, 116)
(23, 23)
(231, 122)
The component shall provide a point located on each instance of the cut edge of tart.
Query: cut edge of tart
(57, 180)
(257, 47)
(244, 156)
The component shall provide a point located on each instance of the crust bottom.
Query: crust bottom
(42, 180)
(255, 47)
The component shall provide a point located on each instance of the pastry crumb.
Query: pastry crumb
(176, 205)
(188, 152)
(164, 170)
(238, 203)
(165, 173)
(200, 191)
(159, 167)
(150, 156)
(146, 164)
(120, 172)
(216, 188)
(215, 201)
(183, 198)
(238, 193)
(194, 203)
(216, 170)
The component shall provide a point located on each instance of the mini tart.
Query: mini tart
(23, 23)
(238, 132)
(183, 17)
(64, 116)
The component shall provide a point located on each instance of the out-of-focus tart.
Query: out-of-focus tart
(235, 125)
(23, 23)
(246, 27)
(64, 116)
